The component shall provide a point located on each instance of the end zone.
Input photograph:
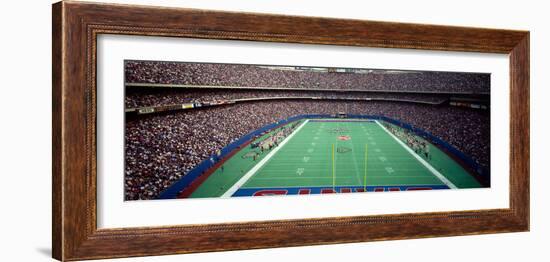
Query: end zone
(330, 190)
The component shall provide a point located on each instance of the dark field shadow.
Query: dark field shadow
(46, 251)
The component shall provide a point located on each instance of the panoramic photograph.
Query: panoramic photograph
(214, 130)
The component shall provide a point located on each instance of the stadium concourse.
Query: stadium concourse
(214, 105)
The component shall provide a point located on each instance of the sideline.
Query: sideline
(420, 159)
(262, 162)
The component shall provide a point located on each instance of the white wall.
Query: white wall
(25, 160)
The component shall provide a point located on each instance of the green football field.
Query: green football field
(334, 155)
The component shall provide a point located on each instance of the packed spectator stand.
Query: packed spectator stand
(141, 97)
(238, 75)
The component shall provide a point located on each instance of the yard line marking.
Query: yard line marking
(342, 177)
(355, 161)
(310, 150)
(420, 159)
(334, 161)
(304, 177)
(262, 162)
(284, 167)
(350, 185)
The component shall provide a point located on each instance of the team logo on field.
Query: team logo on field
(344, 138)
(343, 149)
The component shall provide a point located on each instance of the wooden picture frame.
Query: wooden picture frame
(76, 26)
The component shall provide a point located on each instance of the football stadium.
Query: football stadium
(200, 130)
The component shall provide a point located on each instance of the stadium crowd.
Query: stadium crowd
(145, 97)
(161, 148)
(206, 74)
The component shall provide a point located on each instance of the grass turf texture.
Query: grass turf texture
(333, 153)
